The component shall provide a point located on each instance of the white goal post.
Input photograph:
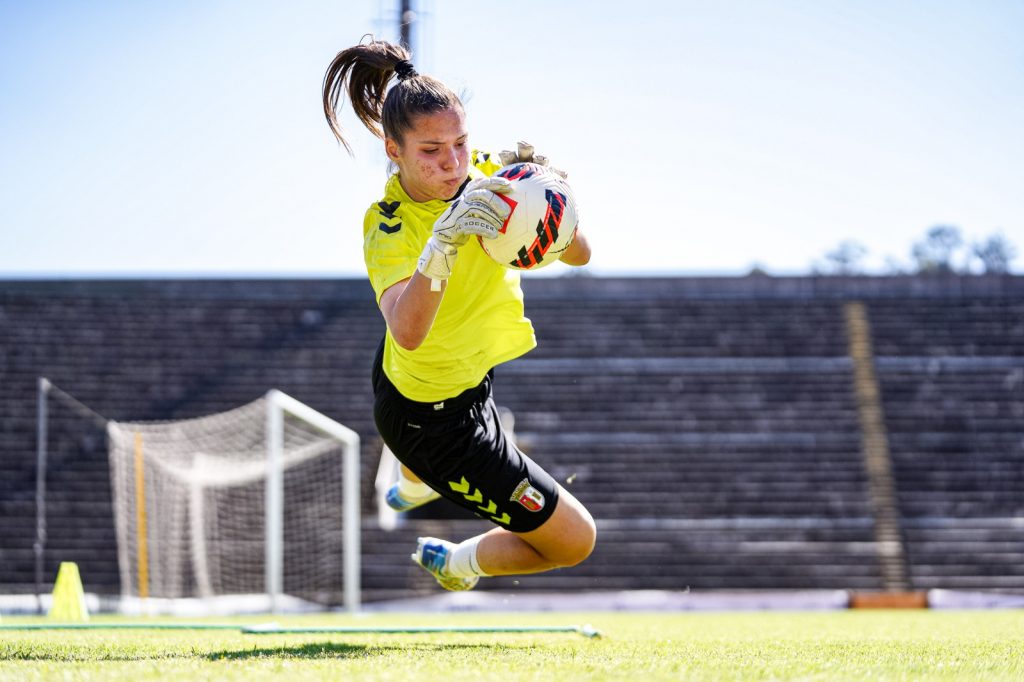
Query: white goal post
(278, 404)
(261, 499)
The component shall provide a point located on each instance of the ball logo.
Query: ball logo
(512, 203)
(518, 172)
(547, 231)
(541, 221)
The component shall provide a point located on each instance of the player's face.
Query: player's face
(433, 159)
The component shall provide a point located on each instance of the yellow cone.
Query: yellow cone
(68, 595)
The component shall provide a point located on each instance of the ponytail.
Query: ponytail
(364, 72)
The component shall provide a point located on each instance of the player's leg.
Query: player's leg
(565, 539)
(409, 491)
(476, 466)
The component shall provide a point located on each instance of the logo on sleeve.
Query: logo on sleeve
(387, 210)
(528, 496)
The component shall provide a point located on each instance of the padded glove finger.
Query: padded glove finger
(479, 211)
(525, 154)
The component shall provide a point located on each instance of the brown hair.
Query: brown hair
(368, 68)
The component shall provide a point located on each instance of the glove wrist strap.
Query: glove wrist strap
(436, 262)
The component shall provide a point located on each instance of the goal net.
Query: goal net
(262, 499)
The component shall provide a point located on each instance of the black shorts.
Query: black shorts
(458, 448)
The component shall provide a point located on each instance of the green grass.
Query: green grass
(848, 645)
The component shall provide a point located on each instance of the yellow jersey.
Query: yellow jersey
(481, 322)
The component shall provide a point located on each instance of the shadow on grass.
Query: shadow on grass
(340, 650)
(314, 650)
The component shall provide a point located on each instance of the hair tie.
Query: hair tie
(404, 69)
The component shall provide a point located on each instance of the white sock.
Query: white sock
(414, 491)
(462, 563)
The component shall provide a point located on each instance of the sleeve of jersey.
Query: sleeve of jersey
(487, 163)
(390, 250)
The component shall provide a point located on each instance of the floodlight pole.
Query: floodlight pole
(39, 547)
(405, 21)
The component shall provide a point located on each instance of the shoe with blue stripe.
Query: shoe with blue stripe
(395, 500)
(433, 555)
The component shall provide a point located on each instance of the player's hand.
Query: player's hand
(525, 154)
(436, 262)
(479, 211)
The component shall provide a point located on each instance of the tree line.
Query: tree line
(942, 250)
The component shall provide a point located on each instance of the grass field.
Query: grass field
(897, 645)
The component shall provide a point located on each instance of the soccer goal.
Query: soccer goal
(262, 499)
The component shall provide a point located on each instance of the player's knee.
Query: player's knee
(582, 544)
(576, 545)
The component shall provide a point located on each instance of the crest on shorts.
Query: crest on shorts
(528, 496)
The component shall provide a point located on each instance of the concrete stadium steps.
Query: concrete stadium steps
(947, 483)
(966, 553)
(957, 438)
(663, 553)
(971, 327)
(688, 328)
(701, 400)
(700, 479)
(156, 344)
(952, 384)
(733, 397)
(969, 389)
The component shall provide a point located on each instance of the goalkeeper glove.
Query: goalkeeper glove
(478, 211)
(525, 154)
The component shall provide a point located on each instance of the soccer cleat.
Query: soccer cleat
(433, 554)
(395, 500)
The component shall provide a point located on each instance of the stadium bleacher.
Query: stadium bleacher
(710, 424)
(953, 385)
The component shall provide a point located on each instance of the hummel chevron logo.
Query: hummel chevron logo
(460, 487)
(388, 208)
(390, 229)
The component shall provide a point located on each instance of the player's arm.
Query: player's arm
(578, 252)
(409, 308)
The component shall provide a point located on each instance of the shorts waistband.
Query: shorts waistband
(458, 403)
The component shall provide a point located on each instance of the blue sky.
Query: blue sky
(144, 138)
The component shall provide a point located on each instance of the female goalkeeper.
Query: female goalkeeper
(452, 314)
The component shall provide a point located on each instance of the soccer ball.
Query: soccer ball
(543, 220)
